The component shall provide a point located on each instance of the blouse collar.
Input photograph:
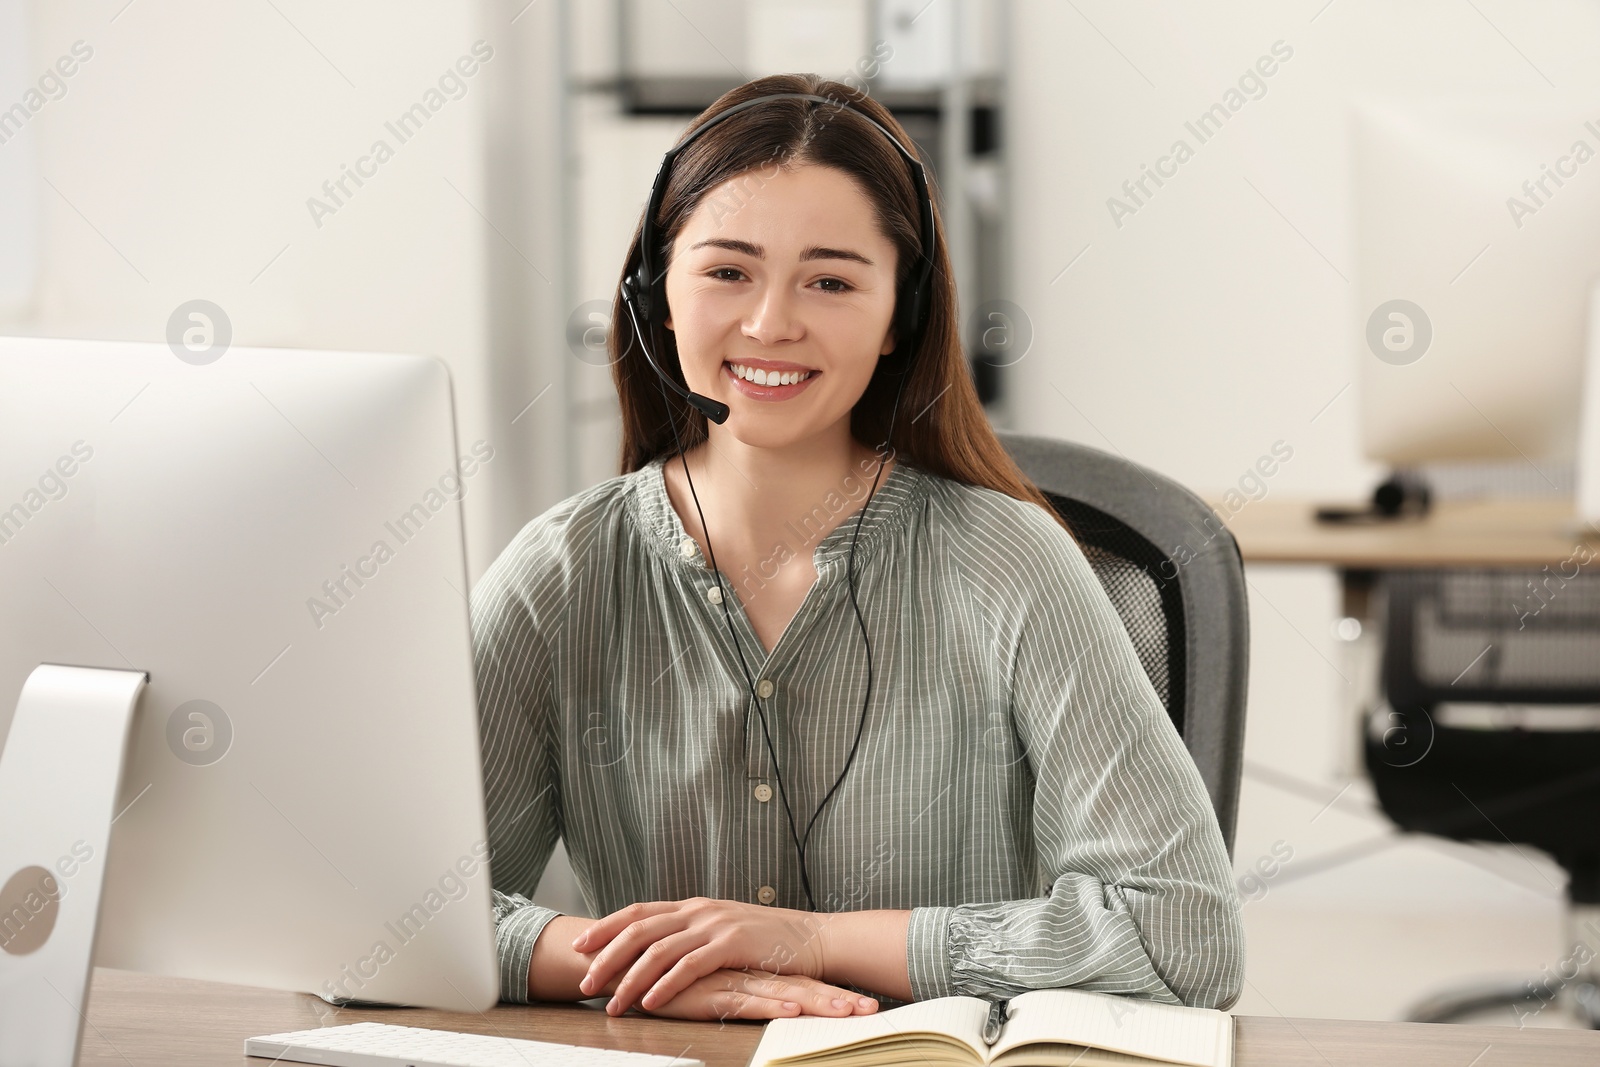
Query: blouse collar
(899, 496)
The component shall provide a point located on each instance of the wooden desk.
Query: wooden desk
(1500, 532)
(1491, 532)
(137, 1020)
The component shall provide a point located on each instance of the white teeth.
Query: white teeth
(769, 378)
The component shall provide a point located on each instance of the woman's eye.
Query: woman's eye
(831, 285)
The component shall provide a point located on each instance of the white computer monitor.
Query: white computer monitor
(275, 539)
(1477, 241)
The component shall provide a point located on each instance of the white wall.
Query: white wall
(180, 161)
(19, 188)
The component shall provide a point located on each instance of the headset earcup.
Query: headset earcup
(641, 292)
(658, 301)
(908, 321)
(627, 292)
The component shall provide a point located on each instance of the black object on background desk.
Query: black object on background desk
(1403, 495)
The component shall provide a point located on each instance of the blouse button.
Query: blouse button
(763, 792)
(714, 594)
(766, 894)
(688, 548)
(764, 688)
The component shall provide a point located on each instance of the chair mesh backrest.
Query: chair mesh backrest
(1151, 606)
(1493, 635)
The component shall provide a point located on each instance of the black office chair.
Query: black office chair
(1175, 576)
(1488, 731)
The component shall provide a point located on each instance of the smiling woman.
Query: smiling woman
(919, 759)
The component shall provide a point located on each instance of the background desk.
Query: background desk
(137, 1020)
(1490, 532)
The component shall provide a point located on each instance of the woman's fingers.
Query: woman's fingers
(716, 997)
(814, 997)
(626, 947)
(736, 1005)
(694, 964)
(654, 962)
(726, 1004)
(602, 930)
(737, 994)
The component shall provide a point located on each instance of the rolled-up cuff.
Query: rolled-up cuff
(513, 940)
(928, 952)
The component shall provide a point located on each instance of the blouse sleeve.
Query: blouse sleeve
(521, 787)
(1137, 895)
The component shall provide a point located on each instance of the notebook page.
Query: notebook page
(962, 1017)
(1202, 1037)
(908, 1052)
(1069, 1056)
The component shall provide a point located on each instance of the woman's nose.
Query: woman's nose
(773, 320)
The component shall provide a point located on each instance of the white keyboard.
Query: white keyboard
(383, 1045)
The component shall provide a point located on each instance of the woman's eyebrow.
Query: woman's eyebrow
(733, 244)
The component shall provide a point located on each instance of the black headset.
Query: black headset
(644, 295)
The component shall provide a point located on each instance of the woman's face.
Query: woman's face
(785, 274)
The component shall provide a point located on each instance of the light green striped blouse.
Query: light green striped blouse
(1018, 785)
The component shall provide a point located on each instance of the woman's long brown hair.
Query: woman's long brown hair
(948, 432)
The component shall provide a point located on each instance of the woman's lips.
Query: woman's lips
(768, 392)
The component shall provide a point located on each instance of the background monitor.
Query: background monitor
(1478, 239)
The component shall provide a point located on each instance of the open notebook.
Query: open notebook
(1043, 1028)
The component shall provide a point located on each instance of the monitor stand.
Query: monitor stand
(60, 774)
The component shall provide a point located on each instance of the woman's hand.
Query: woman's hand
(665, 946)
(733, 994)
